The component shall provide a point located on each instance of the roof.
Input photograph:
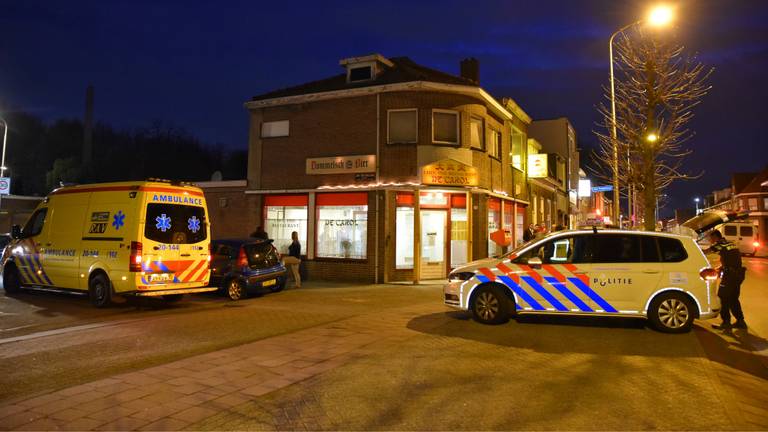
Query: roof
(403, 70)
(756, 185)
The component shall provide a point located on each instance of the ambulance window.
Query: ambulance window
(745, 231)
(175, 224)
(672, 250)
(730, 230)
(613, 248)
(35, 223)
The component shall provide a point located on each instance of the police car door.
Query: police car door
(620, 273)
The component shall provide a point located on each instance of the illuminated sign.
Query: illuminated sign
(537, 165)
(342, 165)
(585, 188)
(449, 172)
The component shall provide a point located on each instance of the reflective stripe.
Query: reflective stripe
(568, 294)
(35, 278)
(553, 271)
(488, 274)
(531, 272)
(509, 272)
(40, 266)
(593, 295)
(544, 293)
(521, 293)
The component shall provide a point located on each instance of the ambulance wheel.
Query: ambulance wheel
(11, 280)
(671, 312)
(235, 289)
(173, 298)
(490, 305)
(100, 290)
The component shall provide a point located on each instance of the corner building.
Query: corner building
(389, 171)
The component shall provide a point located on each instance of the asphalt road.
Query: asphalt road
(424, 367)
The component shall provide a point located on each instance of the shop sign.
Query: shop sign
(342, 165)
(585, 188)
(537, 165)
(449, 172)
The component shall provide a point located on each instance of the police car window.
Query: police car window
(672, 250)
(730, 230)
(745, 231)
(616, 248)
(175, 223)
(650, 249)
(562, 250)
(35, 223)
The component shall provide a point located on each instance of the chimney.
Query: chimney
(88, 127)
(470, 69)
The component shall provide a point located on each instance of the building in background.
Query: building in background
(16, 209)
(546, 176)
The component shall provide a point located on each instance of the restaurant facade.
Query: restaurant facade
(389, 171)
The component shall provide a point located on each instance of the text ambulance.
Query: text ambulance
(131, 238)
(662, 277)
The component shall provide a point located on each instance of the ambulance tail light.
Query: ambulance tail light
(708, 274)
(242, 259)
(210, 252)
(756, 244)
(134, 264)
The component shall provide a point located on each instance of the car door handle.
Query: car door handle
(186, 255)
(650, 271)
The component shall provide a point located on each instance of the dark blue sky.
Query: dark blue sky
(193, 64)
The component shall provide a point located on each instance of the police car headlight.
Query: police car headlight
(460, 276)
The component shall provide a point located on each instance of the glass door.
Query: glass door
(433, 226)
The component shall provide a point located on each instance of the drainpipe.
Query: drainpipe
(376, 193)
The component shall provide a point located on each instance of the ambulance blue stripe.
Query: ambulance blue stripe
(162, 266)
(25, 276)
(32, 271)
(544, 293)
(593, 295)
(40, 266)
(568, 294)
(521, 293)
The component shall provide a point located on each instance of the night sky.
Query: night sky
(193, 64)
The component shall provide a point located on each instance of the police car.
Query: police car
(665, 278)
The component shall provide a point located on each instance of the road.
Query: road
(332, 356)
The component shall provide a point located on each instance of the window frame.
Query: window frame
(752, 204)
(370, 64)
(497, 145)
(389, 122)
(475, 119)
(261, 129)
(458, 126)
(31, 219)
(523, 150)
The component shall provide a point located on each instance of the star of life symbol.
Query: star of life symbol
(163, 222)
(193, 224)
(118, 219)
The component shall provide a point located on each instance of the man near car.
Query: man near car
(529, 233)
(732, 275)
(293, 259)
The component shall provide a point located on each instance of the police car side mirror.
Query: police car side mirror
(15, 232)
(535, 262)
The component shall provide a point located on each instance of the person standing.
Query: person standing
(732, 275)
(293, 259)
(529, 233)
(260, 233)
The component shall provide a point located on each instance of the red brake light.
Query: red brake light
(210, 252)
(708, 274)
(134, 265)
(242, 260)
(756, 244)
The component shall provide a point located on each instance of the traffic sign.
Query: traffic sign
(607, 188)
(5, 185)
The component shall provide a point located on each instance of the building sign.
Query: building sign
(596, 189)
(585, 188)
(5, 185)
(449, 172)
(537, 165)
(342, 165)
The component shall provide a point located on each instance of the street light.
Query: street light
(697, 204)
(2, 161)
(659, 16)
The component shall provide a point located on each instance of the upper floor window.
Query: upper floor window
(361, 73)
(765, 204)
(274, 129)
(752, 202)
(517, 150)
(476, 133)
(494, 144)
(445, 127)
(403, 126)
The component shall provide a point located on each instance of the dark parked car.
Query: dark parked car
(242, 265)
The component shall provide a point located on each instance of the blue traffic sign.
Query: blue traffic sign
(607, 188)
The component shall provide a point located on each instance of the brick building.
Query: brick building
(386, 165)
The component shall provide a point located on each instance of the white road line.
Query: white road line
(59, 331)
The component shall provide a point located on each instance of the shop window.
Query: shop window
(402, 126)
(519, 225)
(285, 214)
(404, 238)
(494, 224)
(517, 150)
(445, 127)
(476, 135)
(342, 225)
(459, 230)
(494, 144)
(275, 129)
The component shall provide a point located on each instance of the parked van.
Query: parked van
(742, 233)
(147, 238)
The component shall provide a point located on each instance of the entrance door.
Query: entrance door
(433, 256)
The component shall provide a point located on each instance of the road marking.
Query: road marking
(58, 331)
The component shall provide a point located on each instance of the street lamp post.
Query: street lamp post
(697, 204)
(659, 16)
(2, 159)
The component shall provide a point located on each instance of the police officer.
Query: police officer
(732, 275)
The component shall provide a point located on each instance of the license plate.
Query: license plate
(269, 282)
(160, 277)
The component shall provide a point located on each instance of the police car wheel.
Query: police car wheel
(671, 313)
(235, 289)
(11, 280)
(100, 291)
(490, 306)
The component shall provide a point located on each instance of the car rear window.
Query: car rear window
(261, 255)
(745, 231)
(175, 224)
(730, 230)
(672, 250)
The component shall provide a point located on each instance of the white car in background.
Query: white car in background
(617, 273)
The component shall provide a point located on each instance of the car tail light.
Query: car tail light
(134, 265)
(708, 274)
(242, 259)
(756, 244)
(210, 251)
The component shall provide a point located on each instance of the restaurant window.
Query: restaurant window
(342, 225)
(494, 224)
(284, 215)
(494, 144)
(752, 204)
(459, 230)
(402, 126)
(517, 150)
(404, 231)
(476, 138)
(445, 127)
(275, 129)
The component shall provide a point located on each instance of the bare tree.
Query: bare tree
(657, 87)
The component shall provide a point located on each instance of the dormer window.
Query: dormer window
(360, 73)
(367, 68)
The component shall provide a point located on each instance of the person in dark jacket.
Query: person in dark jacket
(293, 259)
(260, 233)
(529, 233)
(732, 275)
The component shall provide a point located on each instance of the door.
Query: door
(433, 244)
(747, 239)
(63, 250)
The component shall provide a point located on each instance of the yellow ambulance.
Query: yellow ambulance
(144, 238)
